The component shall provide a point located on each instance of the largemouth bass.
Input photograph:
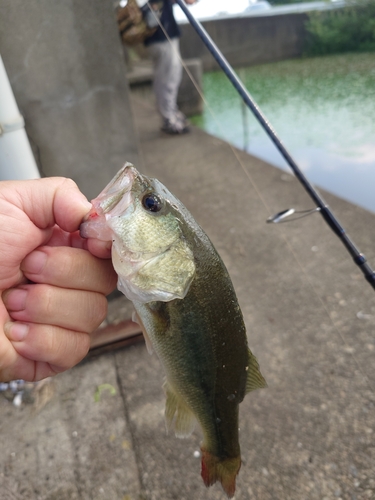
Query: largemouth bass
(188, 311)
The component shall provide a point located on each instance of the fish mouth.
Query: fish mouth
(114, 200)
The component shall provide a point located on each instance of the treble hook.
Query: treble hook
(280, 216)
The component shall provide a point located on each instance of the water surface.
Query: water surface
(323, 109)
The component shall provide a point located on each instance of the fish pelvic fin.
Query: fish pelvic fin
(255, 379)
(223, 470)
(178, 417)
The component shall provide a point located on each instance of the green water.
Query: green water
(323, 109)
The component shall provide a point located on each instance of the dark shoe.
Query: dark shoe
(181, 118)
(174, 128)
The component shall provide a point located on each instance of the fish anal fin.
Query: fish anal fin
(223, 470)
(178, 417)
(255, 379)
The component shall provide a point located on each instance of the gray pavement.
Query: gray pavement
(310, 317)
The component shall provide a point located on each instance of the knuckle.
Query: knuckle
(111, 279)
(98, 310)
(69, 183)
(46, 301)
(67, 267)
(81, 347)
(70, 348)
(104, 278)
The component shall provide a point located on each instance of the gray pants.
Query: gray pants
(167, 77)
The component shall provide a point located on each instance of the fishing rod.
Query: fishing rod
(323, 208)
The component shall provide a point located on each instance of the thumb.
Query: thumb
(48, 201)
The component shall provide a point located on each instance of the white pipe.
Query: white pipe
(16, 157)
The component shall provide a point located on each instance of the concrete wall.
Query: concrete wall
(245, 41)
(66, 67)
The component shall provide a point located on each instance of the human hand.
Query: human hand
(53, 283)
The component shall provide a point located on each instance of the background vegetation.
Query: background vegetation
(287, 2)
(347, 29)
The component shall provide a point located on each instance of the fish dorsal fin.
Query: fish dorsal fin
(178, 416)
(255, 379)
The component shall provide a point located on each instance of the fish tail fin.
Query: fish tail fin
(223, 470)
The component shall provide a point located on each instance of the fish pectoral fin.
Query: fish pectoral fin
(137, 319)
(178, 416)
(255, 379)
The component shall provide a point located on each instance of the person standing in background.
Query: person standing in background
(165, 54)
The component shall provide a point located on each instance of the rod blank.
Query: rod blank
(326, 212)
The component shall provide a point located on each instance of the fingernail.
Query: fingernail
(34, 262)
(15, 299)
(16, 331)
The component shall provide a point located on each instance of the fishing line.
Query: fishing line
(211, 111)
(329, 217)
(323, 208)
(245, 126)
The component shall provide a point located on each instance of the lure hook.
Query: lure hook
(280, 216)
(326, 212)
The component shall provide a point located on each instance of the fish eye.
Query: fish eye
(152, 202)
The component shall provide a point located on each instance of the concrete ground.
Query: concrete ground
(310, 317)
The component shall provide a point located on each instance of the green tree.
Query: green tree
(347, 29)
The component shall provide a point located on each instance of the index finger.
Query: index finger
(62, 238)
(68, 267)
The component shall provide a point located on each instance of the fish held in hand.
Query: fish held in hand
(188, 311)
